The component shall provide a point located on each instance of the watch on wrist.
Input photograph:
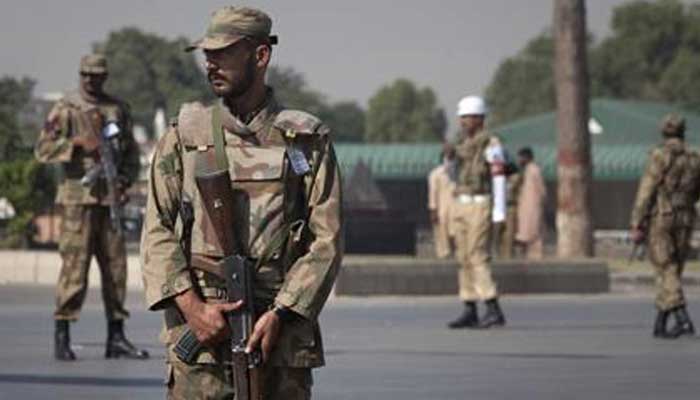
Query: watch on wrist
(285, 314)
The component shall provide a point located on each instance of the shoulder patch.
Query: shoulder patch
(294, 122)
(194, 124)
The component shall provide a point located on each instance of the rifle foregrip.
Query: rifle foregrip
(188, 347)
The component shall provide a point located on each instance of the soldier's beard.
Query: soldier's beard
(237, 88)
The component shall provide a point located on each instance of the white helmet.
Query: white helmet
(472, 105)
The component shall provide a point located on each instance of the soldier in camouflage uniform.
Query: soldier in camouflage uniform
(284, 164)
(70, 138)
(471, 215)
(664, 215)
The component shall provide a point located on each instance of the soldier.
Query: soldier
(530, 206)
(665, 212)
(283, 164)
(440, 197)
(70, 138)
(471, 214)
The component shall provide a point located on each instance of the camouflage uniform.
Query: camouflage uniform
(665, 203)
(85, 226)
(302, 206)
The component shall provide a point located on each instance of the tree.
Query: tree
(523, 85)
(574, 228)
(400, 112)
(15, 95)
(345, 118)
(152, 72)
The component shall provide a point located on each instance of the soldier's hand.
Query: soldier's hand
(89, 143)
(206, 320)
(434, 217)
(637, 235)
(265, 334)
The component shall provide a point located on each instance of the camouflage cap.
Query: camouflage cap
(673, 125)
(93, 64)
(230, 24)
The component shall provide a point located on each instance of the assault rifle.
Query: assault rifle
(237, 270)
(108, 152)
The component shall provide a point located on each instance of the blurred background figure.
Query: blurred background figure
(664, 216)
(533, 193)
(504, 232)
(477, 152)
(440, 197)
(72, 137)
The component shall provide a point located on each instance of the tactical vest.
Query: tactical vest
(679, 186)
(474, 174)
(270, 193)
(75, 121)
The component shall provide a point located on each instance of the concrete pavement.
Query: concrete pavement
(555, 347)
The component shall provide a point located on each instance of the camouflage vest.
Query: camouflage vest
(74, 120)
(474, 174)
(273, 196)
(679, 185)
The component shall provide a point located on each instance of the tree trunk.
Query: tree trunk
(574, 228)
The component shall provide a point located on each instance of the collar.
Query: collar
(257, 119)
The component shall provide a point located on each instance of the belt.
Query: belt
(472, 198)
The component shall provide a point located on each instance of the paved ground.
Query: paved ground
(556, 347)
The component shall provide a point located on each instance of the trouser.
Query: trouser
(473, 225)
(211, 381)
(668, 248)
(504, 234)
(534, 249)
(441, 237)
(86, 230)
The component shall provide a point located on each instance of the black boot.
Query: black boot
(468, 319)
(660, 330)
(61, 337)
(494, 315)
(684, 326)
(119, 346)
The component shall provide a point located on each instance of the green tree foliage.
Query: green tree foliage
(151, 72)
(346, 118)
(28, 185)
(401, 112)
(523, 84)
(15, 94)
(652, 54)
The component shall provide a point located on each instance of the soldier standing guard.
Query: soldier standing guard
(284, 168)
(471, 214)
(664, 216)
(70, 138)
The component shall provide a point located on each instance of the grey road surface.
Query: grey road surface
(555, 347)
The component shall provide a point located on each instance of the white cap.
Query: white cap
(472, 105)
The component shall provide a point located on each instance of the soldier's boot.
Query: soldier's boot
(119, 346)
(660, 330)
(494, 315)
(468, 319)
(62, 350)
(684, 326)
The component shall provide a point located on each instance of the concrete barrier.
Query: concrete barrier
(42, 268)
(373, 275)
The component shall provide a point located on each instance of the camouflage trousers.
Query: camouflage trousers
(668, 249)
(211, 382)
(472, 232)
(86, 230)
